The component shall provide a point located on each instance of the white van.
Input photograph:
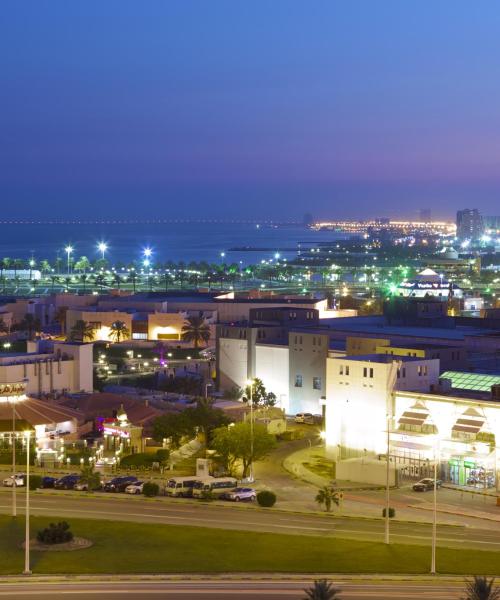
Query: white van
(215, 485)
(180, 487)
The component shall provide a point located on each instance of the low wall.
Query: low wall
(365, 470)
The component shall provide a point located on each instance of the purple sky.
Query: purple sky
(342, 108)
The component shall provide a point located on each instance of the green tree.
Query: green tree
(260, 396)
(81, 331)
(45, 267)
(119, 331)
(206, 418)
(482, 588)
(327, 496)
(196, 331)
(234, 444)
(91, 477)
(83, 264)
(322, 590)
(173, 427)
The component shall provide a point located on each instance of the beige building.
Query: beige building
(50, 368)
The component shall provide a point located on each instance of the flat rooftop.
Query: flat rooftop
(383, 358)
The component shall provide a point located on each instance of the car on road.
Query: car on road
(14, 480)
(307, 418)
(241, 493)
(67, 482)
(424, 485)
(134, 488)
(48, 482)
(118, 484)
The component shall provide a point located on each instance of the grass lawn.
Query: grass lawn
(150, 548)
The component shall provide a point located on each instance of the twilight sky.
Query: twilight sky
(344, 108)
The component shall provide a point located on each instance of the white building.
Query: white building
(50, 368)
(429, 283)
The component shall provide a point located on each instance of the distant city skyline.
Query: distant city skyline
(260, 110)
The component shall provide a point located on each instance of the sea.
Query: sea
(214, 242)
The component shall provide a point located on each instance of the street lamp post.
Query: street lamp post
(27, 570)
(434, 511)
(387, 478)
(68, 251)
(250, 384)
(14, 490)
(102, 247)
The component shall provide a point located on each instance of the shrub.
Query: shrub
(150, 489)
(392, 512)
(266, 498)
(207, 495)
(35, 482)
(55, 533)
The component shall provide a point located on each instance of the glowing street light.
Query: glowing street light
(147, 252)
(68, 250)
(250, 384)
(102, 247)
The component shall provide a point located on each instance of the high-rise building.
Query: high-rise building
(470, 224)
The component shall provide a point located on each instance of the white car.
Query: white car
(134, 488)
(240, 493)
(304, 418)
(17, 480)
(81, 487)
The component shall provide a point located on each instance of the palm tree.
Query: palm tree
(196, 330)
(81, 331)
(327, 496)
(60, 317)
(481, 588)
(29, 325)
(119, 331)
(133, 279)
(83, 279)
(322, 590)
(3, 326)
(53, 279)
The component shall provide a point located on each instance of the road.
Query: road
(213, 590)
(237, 517)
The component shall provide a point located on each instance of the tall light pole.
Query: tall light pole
(14, 490)
(68, 250)
(434, 511)
(102, 247)
(27, 570)
(387, 478)
(250, 383)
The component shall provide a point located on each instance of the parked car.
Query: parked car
(67, 482)
(81, 486)
(426, 484)
(14, 480)
(307, 418)
(241, 493)
(134, 488)
(118, 484)
(48, 482)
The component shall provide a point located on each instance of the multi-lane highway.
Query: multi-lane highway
(237, 517)
(214, 590)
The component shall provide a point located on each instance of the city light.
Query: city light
(102, 247)
(147, 252)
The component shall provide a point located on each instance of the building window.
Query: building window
(139, 336)
(347, 370)
(371, 373)
(341, 369)
(298, 380)
(365, 372)
(316, 383)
